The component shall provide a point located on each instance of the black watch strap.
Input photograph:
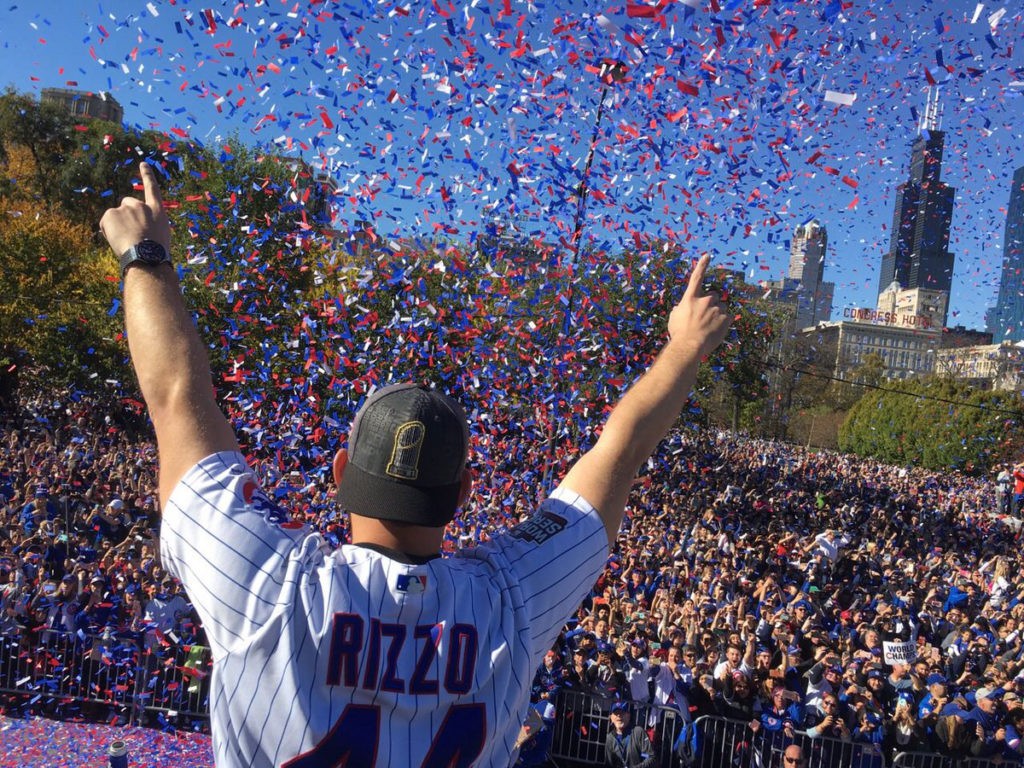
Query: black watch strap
(148, 253)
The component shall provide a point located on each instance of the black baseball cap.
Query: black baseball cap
(406, 454)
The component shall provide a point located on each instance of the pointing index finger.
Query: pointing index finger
(150, 188)
(696, 284)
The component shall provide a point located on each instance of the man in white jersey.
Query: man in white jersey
(380, 653)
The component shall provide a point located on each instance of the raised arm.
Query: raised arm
(167, 354)
(604, 475)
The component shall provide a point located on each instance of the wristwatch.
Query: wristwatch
(148, 253)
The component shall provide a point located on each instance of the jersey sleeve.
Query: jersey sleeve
(230, 545)
(556, 556)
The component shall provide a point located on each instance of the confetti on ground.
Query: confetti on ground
(39, 743)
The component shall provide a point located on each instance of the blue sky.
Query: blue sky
(439, 117)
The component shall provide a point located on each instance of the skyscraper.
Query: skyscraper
(807, 266)
(919, 254)
(1006, 318)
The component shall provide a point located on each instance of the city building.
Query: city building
(1006, 318)
(910, 307)
(989, 366)
(99, 104)
(807, 252)
(919, 255)
(907, 350)
(804, 286)
(905, 330)
(962, 336)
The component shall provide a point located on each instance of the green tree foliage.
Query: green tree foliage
(243, 237)
(320, 316)
(923, 429)
(812, 402)
(82, 166)
(739, 372)
(103, 167)
(253, 254)
(45, 131)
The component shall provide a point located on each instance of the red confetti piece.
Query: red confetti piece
(641, 11)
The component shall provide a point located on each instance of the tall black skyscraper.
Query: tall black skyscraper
(919, 254)
(1006, 319)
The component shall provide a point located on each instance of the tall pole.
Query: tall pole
(611, 72)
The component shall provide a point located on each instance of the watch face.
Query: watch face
(150, 252)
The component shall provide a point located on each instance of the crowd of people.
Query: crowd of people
(809, 593)
(795, 591)
(78, 527)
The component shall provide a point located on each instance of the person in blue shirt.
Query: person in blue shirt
(935, 698)
(626, 746)
(868, 736)
(37, 510)
(780, 717)
(990, 735)
(1014, 738)
(548, 679)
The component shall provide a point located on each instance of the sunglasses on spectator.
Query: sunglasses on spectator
(793, 760)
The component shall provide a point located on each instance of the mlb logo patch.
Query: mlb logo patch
(411, 584)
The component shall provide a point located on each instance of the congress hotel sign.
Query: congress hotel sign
(887, 318)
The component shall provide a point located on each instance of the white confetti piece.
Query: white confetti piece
(837, 97)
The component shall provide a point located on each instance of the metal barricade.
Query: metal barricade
(103, 678)
(61, 671)
(827, 752)
(984, 762)
(922, 760)
(933, 760)
(718, 743)
(77, 676)
(176, 683)
(582, 725)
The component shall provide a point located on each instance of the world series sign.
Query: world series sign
(899, 653)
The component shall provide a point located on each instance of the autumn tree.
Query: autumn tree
(45, 132)
(58, 293)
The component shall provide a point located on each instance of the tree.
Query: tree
(936, 424)
(44, 130)
(101, 167)
(739, 372)
(870, 373)
(56, 290)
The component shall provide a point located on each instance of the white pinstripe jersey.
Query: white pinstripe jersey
(357, 659)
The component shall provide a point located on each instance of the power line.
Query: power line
(880, 388)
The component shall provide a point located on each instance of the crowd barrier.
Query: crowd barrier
(931, 760)
(75, 676)
(582, 725)
(135, 680)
